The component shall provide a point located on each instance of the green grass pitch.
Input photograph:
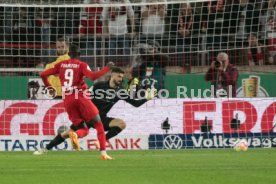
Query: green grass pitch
(130, 167)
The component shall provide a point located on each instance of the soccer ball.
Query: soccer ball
(241, 145)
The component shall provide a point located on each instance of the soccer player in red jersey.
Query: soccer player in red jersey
(82, 112)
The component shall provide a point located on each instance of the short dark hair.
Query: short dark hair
(117, 70)
(74, 51)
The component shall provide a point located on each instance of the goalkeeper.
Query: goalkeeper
(108, 93)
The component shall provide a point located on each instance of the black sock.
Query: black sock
(56, 141)
(113, 131)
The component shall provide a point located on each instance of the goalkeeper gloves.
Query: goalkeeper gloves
(133, 84)
(135, 81)
(151, 93)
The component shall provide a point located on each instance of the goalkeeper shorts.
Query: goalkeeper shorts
(106, 121)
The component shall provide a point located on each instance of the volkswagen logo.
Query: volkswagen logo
(173, 142)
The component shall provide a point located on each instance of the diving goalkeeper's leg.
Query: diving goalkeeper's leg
(115, 127)
(112, 126)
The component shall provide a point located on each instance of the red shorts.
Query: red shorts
(80, 109)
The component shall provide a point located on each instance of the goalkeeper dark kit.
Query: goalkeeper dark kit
(104, 97)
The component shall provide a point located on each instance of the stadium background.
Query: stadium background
(28, 33)
(185, 153)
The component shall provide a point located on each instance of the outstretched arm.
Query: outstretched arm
(136, 103)
(150, 93)
(94, 75)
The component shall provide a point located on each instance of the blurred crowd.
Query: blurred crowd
(245, 29)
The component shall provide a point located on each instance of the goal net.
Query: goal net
(177, 47)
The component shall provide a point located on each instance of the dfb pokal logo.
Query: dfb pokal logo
(173, 142)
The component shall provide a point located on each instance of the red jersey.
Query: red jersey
(71, 73)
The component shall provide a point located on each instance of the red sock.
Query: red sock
(82, 132)
(101, 135)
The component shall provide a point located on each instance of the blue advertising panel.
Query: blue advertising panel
(184, 141)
